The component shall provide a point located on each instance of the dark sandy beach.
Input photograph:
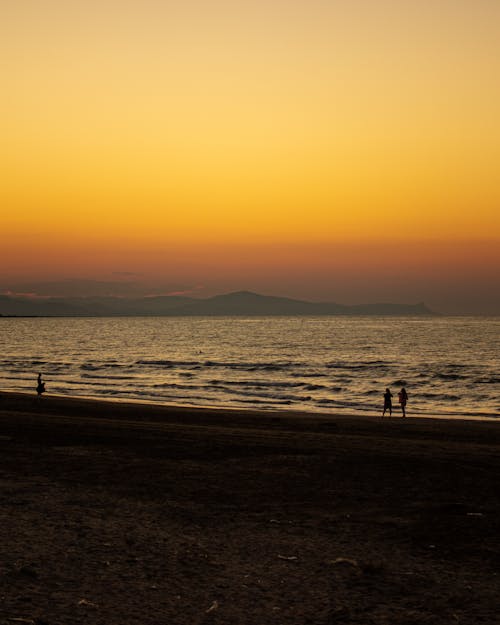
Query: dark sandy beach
(126, 513)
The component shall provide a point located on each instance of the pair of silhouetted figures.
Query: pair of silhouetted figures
(402, 397)
(40, 387)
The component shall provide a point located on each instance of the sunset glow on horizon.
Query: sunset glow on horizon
(341, 151)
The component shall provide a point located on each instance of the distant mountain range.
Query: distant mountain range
(241, 303)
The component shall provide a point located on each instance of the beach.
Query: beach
(116, 512)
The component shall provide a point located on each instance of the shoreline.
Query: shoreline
(17, 398)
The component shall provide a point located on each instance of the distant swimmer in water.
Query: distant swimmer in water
(387, 402)
(40, 387)
(403, 398)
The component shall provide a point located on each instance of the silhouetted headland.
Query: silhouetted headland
(240, 303)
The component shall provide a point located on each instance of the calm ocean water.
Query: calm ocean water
(449, 365)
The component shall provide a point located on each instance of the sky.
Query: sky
(331, 150)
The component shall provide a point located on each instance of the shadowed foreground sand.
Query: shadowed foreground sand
(127, 513)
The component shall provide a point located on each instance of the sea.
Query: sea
(337, 365)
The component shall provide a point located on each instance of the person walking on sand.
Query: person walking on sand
(40, 387)
(387, 402)
(403, 398)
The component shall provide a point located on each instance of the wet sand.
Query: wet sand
(116, 513)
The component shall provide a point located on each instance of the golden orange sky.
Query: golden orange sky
(316, 149)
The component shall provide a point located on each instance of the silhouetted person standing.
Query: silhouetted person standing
(387, 402)
(40, 387)
(403, 398)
